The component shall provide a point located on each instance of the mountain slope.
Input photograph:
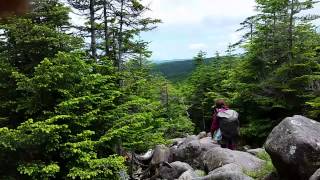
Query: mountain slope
(176, 70)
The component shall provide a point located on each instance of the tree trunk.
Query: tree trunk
(274, 36)
(106, 29)
(93, 30)
(290, 32)
(120, 36)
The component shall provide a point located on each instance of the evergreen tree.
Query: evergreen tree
(25, 42)
(199, 58)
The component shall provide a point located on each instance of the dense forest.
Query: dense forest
(177, 70)
(278, 74)
(74, 99)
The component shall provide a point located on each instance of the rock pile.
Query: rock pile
(293, 145)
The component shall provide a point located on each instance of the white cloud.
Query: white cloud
(198, 46)
(196, 11)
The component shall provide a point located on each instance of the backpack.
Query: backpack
(229, 123)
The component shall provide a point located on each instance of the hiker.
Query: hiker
(225, 122)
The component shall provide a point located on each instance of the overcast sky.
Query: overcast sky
(192, 25)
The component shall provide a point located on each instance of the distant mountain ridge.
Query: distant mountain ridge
(176, 70)
(169, 61)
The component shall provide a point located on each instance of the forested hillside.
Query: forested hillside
(78, 101)
(177, 71)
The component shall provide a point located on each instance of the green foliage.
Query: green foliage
(151, 111)
(40, 170)
(177, 70)
(66, 116)
(139, 126)
(28, 40)
(67, 143)
(266, 169)
(277, 76)
(199, 58)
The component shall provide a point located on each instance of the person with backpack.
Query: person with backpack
(226, 122)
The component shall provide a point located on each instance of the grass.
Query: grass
(265, 170)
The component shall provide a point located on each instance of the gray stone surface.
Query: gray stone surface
(174, 170)
(294, 147)
(188, 175)
(161, 154)
(191, 150)
(226, 176)
(218, 157)
(316, 175)
(255, 152)
(227, 168)
(202, 135)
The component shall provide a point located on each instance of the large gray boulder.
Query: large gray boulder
(226, 176)
(188, 175)
(191, 150)
(229, 171)
(227, 168)
(218, 157)
(174, 170)
(207, 144)
(188, 152)
(161, 154)
(316, 175)
(294, 147)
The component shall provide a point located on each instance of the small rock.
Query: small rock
(177, 141)
(146, 156)
(246, 147)
(202, 135)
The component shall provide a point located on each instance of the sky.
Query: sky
(189, 26)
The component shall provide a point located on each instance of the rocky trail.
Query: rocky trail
(293, 146)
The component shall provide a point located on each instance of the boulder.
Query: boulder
(316, 175)
(144, 157)
(226, 176)
(174, 170)
(161, 154)
(294, 147)
(191, 150)
(188, 152)
(188, 175)
(271, 176)
(207, 144)
(177, 141)
(255, 152)
(227, 168)
(218, 157)
(202, 135)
